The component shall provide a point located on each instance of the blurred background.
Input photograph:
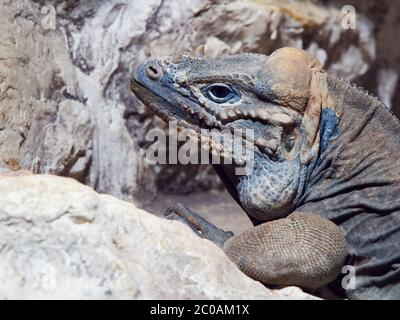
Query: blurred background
(65, 105)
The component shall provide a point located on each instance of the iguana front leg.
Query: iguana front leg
(198, 224)
(302, 249)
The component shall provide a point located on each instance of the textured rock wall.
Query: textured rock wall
(382, 77)
(65, 107)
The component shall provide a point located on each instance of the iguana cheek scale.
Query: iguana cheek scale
(325, 187)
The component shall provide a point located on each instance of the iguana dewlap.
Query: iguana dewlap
(325, 189)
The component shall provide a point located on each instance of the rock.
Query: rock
(65, 106)
(382, 77)
(60, 239)
(387, 82)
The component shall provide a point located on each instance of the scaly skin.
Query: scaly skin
(325, 187)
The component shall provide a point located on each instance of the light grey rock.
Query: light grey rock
(387, 83)
(382, 76)
(45, 125)
(60, 239)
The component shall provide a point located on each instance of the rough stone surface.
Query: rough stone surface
(382, 78)
(60, 239)
(65, 106)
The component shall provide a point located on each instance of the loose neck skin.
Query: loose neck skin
(360, 152)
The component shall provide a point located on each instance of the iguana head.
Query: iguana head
(272, 95)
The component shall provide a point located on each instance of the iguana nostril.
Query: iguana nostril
(153, 71)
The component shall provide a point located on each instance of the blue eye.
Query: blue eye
(220, 92)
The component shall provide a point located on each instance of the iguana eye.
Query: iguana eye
(219, 92)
